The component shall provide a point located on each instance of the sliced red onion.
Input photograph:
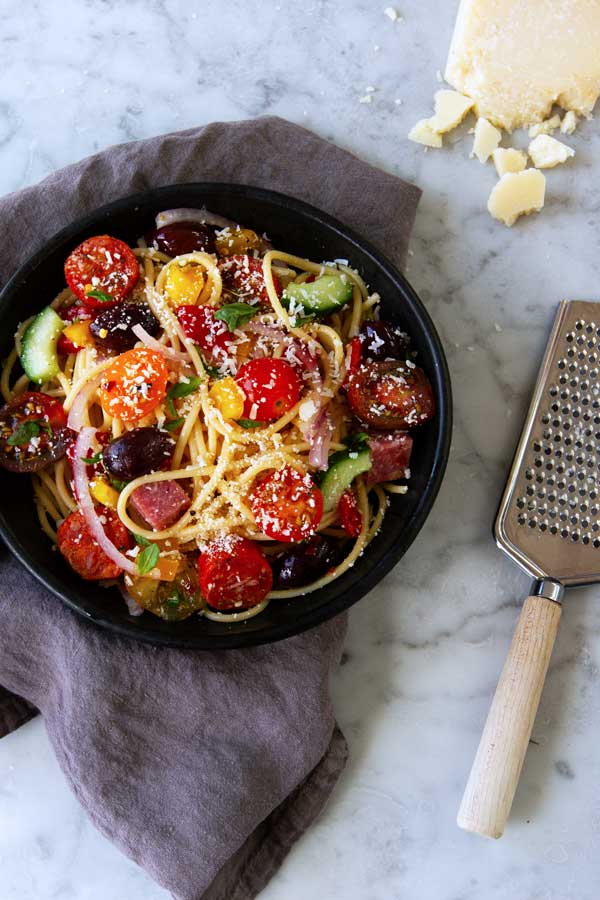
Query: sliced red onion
(319, 437)
(84, 443)
(76, 419)
(204, 216)
(267, 329)
(134, 608)
(147, 339)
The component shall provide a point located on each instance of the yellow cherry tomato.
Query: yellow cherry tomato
(233, 241)
(228, 397)
(183, 284)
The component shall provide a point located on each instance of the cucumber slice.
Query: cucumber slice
(38, 346)
(320, 298)
(344, 466)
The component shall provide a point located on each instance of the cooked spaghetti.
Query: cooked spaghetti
(210, 423)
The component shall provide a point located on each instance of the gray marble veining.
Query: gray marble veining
(425, 648)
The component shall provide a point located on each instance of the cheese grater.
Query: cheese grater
(549, 524)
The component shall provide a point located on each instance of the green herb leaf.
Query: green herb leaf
(175, 599)
(250, 423)
(174, 424)
(24, 432)
(236, 314)
(211, 370)
(148, 558)
(102, 296)
(118, 485)
(184, 388)
(141, 540)
(91, 460)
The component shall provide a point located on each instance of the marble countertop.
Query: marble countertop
(425, 649)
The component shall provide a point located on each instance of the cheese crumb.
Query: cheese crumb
(569, 123)
(546, 127)
(507, 159)
(392, 13)
(546, 152)
(368, 98)
(517, 194)
(423, 133)
(486, 139)
(450, 109)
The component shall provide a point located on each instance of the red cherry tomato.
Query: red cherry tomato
(134, 384)
(79, 547)
(390, 395)
(233, 574)
(33, 432)
(287, 506)
(105, 264)
(349, 514)
(353, 357)
(199, 324)
(271, 386)
(243, 276)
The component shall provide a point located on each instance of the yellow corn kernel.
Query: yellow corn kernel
(183, 284)
(228, 397)
(104, 493)
(79, 334)
(233, 241)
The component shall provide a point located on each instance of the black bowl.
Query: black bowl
(294, 227)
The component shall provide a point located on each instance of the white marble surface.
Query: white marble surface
(425, 649)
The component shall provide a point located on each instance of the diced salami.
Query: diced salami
(160, 503)
(390, 455)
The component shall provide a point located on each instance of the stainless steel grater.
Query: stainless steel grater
(549, 524)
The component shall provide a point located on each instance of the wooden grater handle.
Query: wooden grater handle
(495, 773)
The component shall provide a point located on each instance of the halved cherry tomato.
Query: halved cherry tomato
(243, 276)
(349, 514)
(81, 550)
(287, 506)
(102, 263)
(234, 574)
(391, 394)
(199, 324)
(33, 432)
(134, 384)
(271, 386)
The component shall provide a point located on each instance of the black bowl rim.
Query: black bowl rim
(311, 617)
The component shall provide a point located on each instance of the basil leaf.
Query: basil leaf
(24, 432)
(184, 388)
(236, 314)
(91, 460)
(174, 424)
(102, 296)
(141, 540)
(118, 485)
(148, 558)
(250, 423)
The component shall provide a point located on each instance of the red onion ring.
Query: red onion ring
(76, 419)
(147, 339)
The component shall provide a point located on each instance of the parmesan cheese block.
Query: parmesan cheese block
(507, 159)
(546, 152)
(450, 109)
(517, 194)
(486, 140)
(423, 133)
(516, 58)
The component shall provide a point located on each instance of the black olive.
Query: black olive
(138, 452)
(382, 341)
(113, 328)
(305, 562)
(182, 237)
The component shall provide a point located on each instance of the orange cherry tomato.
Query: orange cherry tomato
(134, 384)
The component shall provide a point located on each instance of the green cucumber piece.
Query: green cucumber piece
(344, 466)
(38, 346)
(319, 298)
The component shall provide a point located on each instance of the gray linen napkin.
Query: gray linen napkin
(205, 767)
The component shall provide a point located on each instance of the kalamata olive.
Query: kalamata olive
(182, 237)
(305, 563)
(112, 328)
(382, 341)
(392, 394)
(138, 452)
